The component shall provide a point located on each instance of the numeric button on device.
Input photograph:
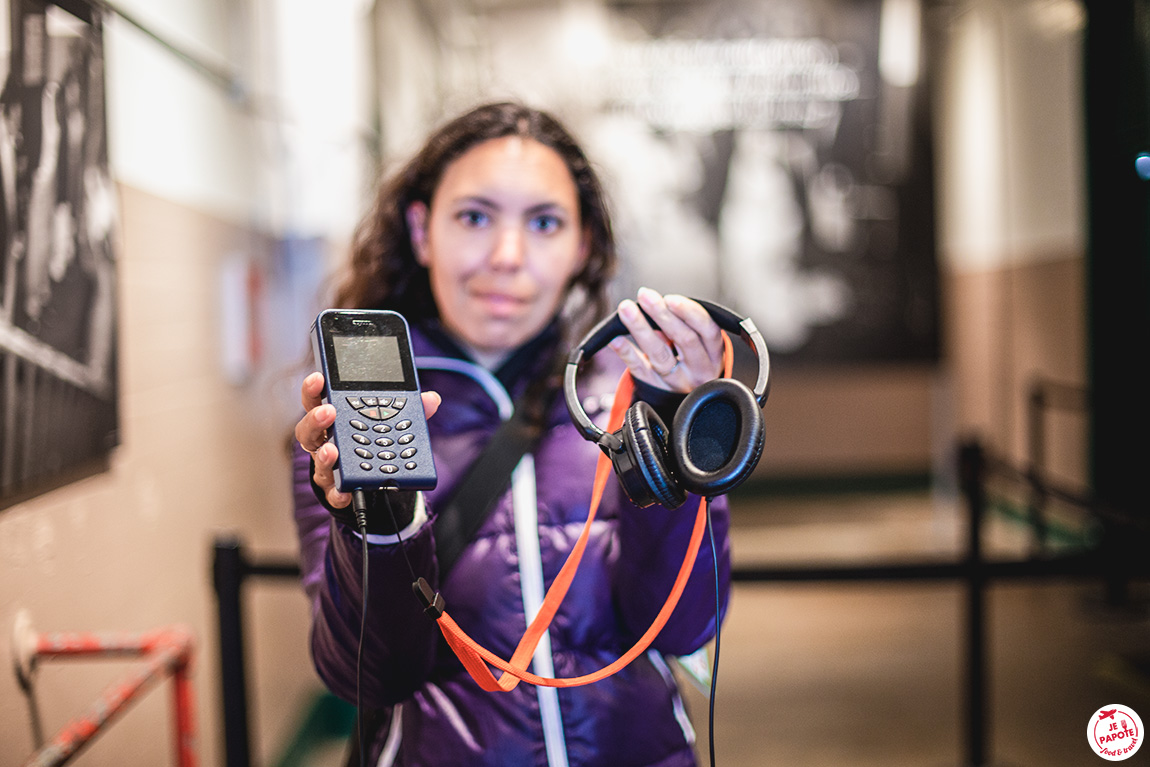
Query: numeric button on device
(408, 453)
(362, 453)
(381, 428)
(357, 424)
(410, 465)
(389, 468)
(406, 439)
(402, 425)
(386, 455)
(384, 442)
(361, 439)
(365, 466)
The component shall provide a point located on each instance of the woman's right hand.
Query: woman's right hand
(311, 433)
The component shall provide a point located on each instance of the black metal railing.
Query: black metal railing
(1112, 561)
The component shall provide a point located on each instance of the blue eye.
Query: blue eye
(546, 223)
(472, 218)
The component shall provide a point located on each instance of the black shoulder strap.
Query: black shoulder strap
(459, 515)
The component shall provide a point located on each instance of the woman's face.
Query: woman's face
(501, 242)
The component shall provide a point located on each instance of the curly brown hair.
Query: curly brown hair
(383, 272)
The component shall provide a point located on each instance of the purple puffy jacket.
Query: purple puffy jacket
(436, 714)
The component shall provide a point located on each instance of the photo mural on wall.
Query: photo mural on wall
(776, 157)
(58, 382)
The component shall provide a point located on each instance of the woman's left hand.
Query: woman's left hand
(686, 351)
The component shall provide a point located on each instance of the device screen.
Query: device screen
(369, 362)
(367, 354)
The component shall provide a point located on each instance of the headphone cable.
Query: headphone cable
(359, 505)
(715, 660)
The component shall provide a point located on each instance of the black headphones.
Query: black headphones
(715, 439)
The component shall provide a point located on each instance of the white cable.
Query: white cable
(525, 506)
(480, 375)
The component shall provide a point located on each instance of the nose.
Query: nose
(508, 253)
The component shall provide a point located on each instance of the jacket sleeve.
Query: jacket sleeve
(653, 542)
(399, 640)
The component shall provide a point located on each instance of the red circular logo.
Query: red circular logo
(1115, 732)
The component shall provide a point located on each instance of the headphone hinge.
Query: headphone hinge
(610, 443)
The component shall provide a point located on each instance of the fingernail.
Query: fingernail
(628, 309)
(648, 296)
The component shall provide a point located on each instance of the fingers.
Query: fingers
(325, 458)
(311, 433)
(311, 430)
(311, 391)
(431, 403)
(686, 351)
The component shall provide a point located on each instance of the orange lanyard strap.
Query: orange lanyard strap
(475, 658)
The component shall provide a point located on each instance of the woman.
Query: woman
(495, 243)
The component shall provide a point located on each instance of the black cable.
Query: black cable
(718, 621)
(359, 505)
(398, 536)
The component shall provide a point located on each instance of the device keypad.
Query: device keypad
(379, 409)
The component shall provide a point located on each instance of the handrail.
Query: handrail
(168, 652)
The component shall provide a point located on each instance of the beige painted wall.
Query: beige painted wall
(1010, 328)
(1012, 218)
(130, 549)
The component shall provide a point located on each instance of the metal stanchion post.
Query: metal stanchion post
(971, 469)
(229, 570)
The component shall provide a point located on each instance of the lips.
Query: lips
(500, 304)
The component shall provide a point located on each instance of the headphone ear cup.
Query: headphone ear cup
(646, 478)
(717, 437)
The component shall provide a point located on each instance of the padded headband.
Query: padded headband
(613, 326)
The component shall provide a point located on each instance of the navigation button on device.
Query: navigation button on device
(355, 402)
